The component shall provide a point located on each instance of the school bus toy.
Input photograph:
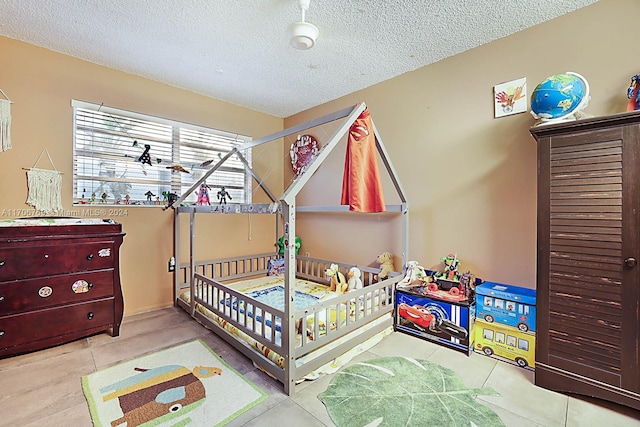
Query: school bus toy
(507, 305)
(505, 343)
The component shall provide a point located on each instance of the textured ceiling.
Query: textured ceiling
(239, 52)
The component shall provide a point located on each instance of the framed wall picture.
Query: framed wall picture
(510, 97)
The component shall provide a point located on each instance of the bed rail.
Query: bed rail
(314, 269)
(258, 320)
(324, 330)
(366, 311)
(226, 268)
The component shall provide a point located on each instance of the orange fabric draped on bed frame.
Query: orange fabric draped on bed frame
(361, 184)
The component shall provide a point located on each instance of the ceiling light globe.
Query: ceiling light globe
(303, 35)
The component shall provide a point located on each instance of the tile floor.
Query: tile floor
(43, 388)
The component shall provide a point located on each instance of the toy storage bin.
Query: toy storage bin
(505, 343)
(506, 304)
(444, 322)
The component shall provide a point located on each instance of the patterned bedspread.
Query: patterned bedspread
(273, 297)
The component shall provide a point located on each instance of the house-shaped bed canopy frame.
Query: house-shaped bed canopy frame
(285, 207)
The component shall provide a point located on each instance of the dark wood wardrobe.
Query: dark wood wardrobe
(588, 277)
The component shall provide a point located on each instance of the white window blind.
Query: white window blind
(109, 161)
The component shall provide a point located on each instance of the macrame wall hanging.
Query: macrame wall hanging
(44, 187)
(5, 122)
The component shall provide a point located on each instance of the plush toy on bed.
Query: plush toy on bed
(338, 281)
(385, 260)
(354, 282)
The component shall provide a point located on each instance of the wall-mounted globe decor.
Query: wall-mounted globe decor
(560, 97)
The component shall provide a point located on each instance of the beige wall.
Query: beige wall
(42, 83)
(470, 178)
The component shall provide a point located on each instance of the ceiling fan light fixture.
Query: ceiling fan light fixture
(303, 35)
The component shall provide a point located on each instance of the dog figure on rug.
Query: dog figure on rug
(152, 393)
(338, 281)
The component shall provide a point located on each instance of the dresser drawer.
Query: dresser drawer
(43, 324)
(36, 260)
(31, 294)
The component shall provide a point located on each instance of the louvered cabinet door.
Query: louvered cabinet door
(588, 281)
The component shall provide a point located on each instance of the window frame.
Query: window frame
(185, 143)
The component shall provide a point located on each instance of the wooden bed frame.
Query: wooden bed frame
(208, 276)
(372, 302)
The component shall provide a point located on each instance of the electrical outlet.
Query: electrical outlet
(172, 265)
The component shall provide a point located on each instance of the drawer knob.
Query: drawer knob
(89, 257)
(1, 263)
(1, 333)
(90, 315)
(1, 298)
(45, 291)
(81, 286)
(630, 262)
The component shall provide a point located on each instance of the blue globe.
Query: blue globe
(559, 97)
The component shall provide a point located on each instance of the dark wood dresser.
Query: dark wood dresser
(588, 280)
(58, 282)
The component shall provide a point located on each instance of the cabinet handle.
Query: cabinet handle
(1, 333)
(89, 257)
(630, 262)
(1, 263)
(1, 298)
(90, 315)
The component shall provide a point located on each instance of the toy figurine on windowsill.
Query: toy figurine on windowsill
(203, 194)
(149, 195)
(172, 197)
(222, 196)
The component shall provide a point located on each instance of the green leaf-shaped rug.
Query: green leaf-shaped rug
(399, 391)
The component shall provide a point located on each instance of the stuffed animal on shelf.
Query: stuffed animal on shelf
(354, 282)
(338, 281)
(385, 260)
